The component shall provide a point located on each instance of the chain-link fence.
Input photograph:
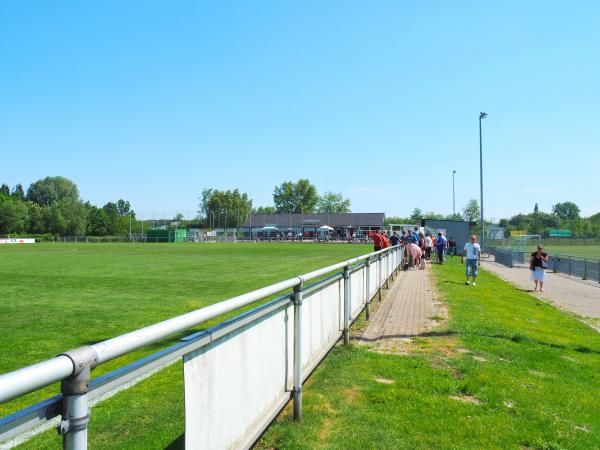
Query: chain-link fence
(577, 266)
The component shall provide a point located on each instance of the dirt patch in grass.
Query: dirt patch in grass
(326, 428)
(350, 393)
(384, 381)
(479, 358)
(324, 405)
(466, 399)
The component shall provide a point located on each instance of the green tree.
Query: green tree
(297, 197)
(536, 209)
(396, 220)
(331, 203)
(123, 207)
(36, 219)
(14, 216)
(5, 190)
(225, 208)
(264, 210)
(566, 211)
(18, 192)
(471, 211)
(50, 190)
(97, 223)
(416, 214)
(433, 215)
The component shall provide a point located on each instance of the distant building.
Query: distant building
(457, 229)
(309, 224)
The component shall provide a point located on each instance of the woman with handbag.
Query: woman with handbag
(538, 266)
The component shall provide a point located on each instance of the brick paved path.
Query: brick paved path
(568, 293)
(407, 309)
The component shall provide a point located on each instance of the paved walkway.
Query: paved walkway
(409, 309)
(568, 293)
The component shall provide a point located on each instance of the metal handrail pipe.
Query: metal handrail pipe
(36, 376)
(120, 345)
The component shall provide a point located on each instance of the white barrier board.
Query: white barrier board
(17, 241)
(233, 387)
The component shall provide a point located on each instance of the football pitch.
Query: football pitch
(586, 251)
(589, 251)
(56, 297)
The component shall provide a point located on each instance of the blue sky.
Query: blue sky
(154, 101)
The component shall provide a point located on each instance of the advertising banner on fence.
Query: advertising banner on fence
(16, 241)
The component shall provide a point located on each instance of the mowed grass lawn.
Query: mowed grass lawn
(59, 296)
(590, 251)
(506, 372)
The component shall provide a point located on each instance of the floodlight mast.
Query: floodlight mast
(453, 197)
(482, 115)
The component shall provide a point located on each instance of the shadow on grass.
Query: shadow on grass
(177, 444)
(515, 338)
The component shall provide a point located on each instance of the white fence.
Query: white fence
(238, 374)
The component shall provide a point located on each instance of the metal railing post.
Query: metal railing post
(368, 286)
(569, 265)
(298, 351)
(347, 304)
(76, 413)
(379, 283)
(585, 268)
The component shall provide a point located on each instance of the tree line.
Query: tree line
(564, 216)
(231, 208)
(52, 206)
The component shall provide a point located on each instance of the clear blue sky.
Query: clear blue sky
(154, 101)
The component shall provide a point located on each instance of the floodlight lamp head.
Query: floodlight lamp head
(482, 115)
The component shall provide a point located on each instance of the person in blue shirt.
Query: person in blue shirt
(440, 244)
(415, 234)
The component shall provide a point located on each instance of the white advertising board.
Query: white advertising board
(17, 241)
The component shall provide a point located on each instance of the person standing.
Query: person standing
(385, 242)
(451, 247)
(472, 251)
(428, 245)
(538, 266)
(440, 246)
(394, 238)
(376, 240)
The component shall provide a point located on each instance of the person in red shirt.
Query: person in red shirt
(385, 242)
(377, 240)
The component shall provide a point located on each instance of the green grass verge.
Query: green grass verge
(60, 296)
(531, 371)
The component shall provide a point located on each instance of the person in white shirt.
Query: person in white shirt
(472, 251)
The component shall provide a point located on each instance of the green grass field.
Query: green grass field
(590, 251)
(60, 296)
(537, 387)
(523, 376)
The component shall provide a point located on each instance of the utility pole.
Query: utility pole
(482, 115)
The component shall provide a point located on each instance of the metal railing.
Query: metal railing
(578, 266)
(322, 313)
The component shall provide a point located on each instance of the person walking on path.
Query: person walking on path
(440, 244)
(538, 266)
(472, 251)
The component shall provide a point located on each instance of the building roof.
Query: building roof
(316, 220)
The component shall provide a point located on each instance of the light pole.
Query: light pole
(453, 197)
(129, 225)
(482, 115)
